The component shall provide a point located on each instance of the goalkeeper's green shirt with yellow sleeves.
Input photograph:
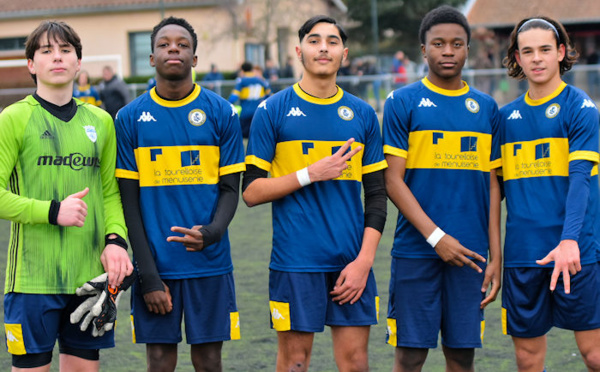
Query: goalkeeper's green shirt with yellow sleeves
(44, 157)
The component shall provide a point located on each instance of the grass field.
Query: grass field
(250, 234)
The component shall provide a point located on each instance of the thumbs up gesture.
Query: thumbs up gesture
(73, 209)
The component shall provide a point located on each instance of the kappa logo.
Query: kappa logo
(47, 135)
(390, 95)
(10, 337)
(515, 115)
(263, 104)
(426, 102)
(295, 111)
(277, 315)
(233, 110)
(588, 103)
(146, 117)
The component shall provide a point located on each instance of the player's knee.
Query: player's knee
(410, 359)
(528, 359)
(592, 360)
(207, 357)
(460, 359)
(359, 362)
(161, 358)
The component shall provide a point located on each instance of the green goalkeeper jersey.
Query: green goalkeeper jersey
(43, 158)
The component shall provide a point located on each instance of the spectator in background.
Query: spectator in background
(399, 70)
(84, 91)
(271, 72)
(213, 75)
(288, 70)
(250, 90)
(113, 91)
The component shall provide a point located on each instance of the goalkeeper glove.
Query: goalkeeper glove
(101, 306)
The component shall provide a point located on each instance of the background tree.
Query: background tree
(398, 21)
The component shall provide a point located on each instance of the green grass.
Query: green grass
(250, 234)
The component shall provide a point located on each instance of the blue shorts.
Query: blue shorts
(207, 306)
(530, 309)
(33, 323)
(428, 296)
(301, 302)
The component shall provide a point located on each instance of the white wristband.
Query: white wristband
(435, 237)
(303, 177)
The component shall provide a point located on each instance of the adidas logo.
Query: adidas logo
(588, 103)
(146, 117)
(426, 102)
(515, 115)
(47, 135)
(295, 111)
(277, 315)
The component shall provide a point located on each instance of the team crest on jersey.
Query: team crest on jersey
(91, 133)
(197, 117)
(552, 110)
(472, 105)
(345, 113)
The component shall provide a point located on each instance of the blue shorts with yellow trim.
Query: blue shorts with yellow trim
(530, 309)
(428, 296)
(207, 306)
(33, 323)
(301, 302)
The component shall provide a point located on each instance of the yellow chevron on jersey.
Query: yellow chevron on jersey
(291, 156)
(433, 149)
(178, 165)
(539, 158)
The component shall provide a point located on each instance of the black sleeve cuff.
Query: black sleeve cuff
(53, 212)
(118, 240)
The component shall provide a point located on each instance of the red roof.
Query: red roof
(506, 13)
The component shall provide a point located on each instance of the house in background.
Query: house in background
(493, 20)
(117, 32)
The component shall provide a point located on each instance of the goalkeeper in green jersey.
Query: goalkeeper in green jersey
(57, 159)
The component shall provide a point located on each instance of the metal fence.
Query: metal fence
(375, 88)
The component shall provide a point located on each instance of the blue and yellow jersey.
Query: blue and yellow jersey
(539, 138)
(178, 150)
(250, 90)
(318, 228)
(88, 94)
(447, 138)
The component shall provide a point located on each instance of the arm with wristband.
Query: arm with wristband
(264, 190)
(448, 248)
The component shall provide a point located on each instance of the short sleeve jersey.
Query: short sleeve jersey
(319, 227)
(178, 150)
(539, 138)
(447, 138)
(87, 94)
(43, 158)
(251, 90)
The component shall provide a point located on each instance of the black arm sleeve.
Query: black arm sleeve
(229, 194)
(375, 200)
(147, 272)
(252, 172)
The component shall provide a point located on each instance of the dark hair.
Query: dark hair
(174, 21)
(246, 66)
(440, 15)
(308, 25)
(544, 23)
(56, 30)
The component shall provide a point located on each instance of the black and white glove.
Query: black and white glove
(101, 307)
